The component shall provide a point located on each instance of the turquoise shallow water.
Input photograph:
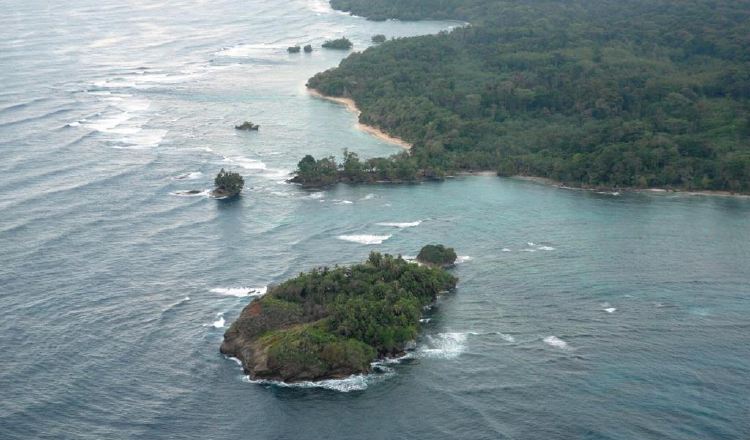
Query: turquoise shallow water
(578, 315)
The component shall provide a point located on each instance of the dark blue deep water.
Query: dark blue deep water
(578, 315)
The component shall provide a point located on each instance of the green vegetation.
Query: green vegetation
(340, 43)
(608, 93)
(248, 126)
(437, 255)
(228, 184)
(334, 322)
(400, 168)
(379, 38)
(293, 49)
(308, 48)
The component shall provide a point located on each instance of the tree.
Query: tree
(228, 183)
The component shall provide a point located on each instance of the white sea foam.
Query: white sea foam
(401, 225)
(444, 345)
(342, 202)
(425, 320)
(187, 298)
(506, 338)
(610, 309)
(219, 323)
(368, 197)
(73, 124)
(143, 138)
(189, 176)
(365, 239)
(554, 341)
(316, 195)
(240, 292)
(546, 248)
(246, 163)
(356, 382)
(463, 259)
(506, 250)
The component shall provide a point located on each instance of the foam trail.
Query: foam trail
(240, 292)
(554, 341)
(401, 225)
(364, 239)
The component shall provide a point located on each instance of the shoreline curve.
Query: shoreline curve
(372, 130)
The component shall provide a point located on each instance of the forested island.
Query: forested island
(609, 93)
(333, 322)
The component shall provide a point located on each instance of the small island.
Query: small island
(293, 49)
(339, 43)
(333, 322)
(379, 38)
(437, 255)
(247, 126)
(308, 48)
(228, 184)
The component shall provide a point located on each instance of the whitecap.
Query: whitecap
(505, 250)
(219, 323)
(506, 338)
(463, 259)
(365, 239)
(73, 124)
(316, 195)
(401, 225)
(240, 292)
(554, 341)
(342, 202)
(368, 197)
(189, 176)
(546, 248)
(610, 309)
(444, 345)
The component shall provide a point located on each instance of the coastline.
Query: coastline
(561, 185)
(352, 107)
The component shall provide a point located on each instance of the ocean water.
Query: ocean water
(578, 315)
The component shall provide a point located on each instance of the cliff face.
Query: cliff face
(333, 323)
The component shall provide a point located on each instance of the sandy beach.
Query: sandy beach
(352, 107)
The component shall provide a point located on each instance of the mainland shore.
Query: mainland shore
(352, 107)
(555, 183)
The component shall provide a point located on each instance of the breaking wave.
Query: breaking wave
(401, 225)
(365, 239)
(240, 292)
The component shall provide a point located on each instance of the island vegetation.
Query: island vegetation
(379, 38)
(612, 93)
(228, 184)
(248, 126)
(339, 43)
(308, 48)
(437, 255)
(293, 49)
(400, 168)
(333, 322)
